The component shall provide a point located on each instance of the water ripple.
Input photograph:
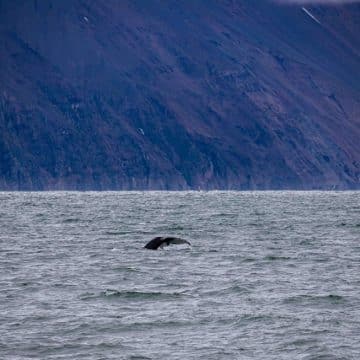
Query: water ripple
(270, 275)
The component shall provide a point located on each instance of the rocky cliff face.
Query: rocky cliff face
(178, 94)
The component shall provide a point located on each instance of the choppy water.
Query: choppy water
(270, 275)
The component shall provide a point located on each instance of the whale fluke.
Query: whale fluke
(160, 242)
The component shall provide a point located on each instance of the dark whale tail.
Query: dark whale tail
(160, 242)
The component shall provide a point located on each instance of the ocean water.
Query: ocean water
(269, 275)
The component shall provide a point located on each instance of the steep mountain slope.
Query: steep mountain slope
(178, 94)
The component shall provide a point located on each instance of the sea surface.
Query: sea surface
(269, 275)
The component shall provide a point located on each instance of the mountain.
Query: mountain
(153, 94)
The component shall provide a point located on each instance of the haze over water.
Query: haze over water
(270, 275)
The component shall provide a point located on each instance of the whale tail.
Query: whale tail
(160, 242)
